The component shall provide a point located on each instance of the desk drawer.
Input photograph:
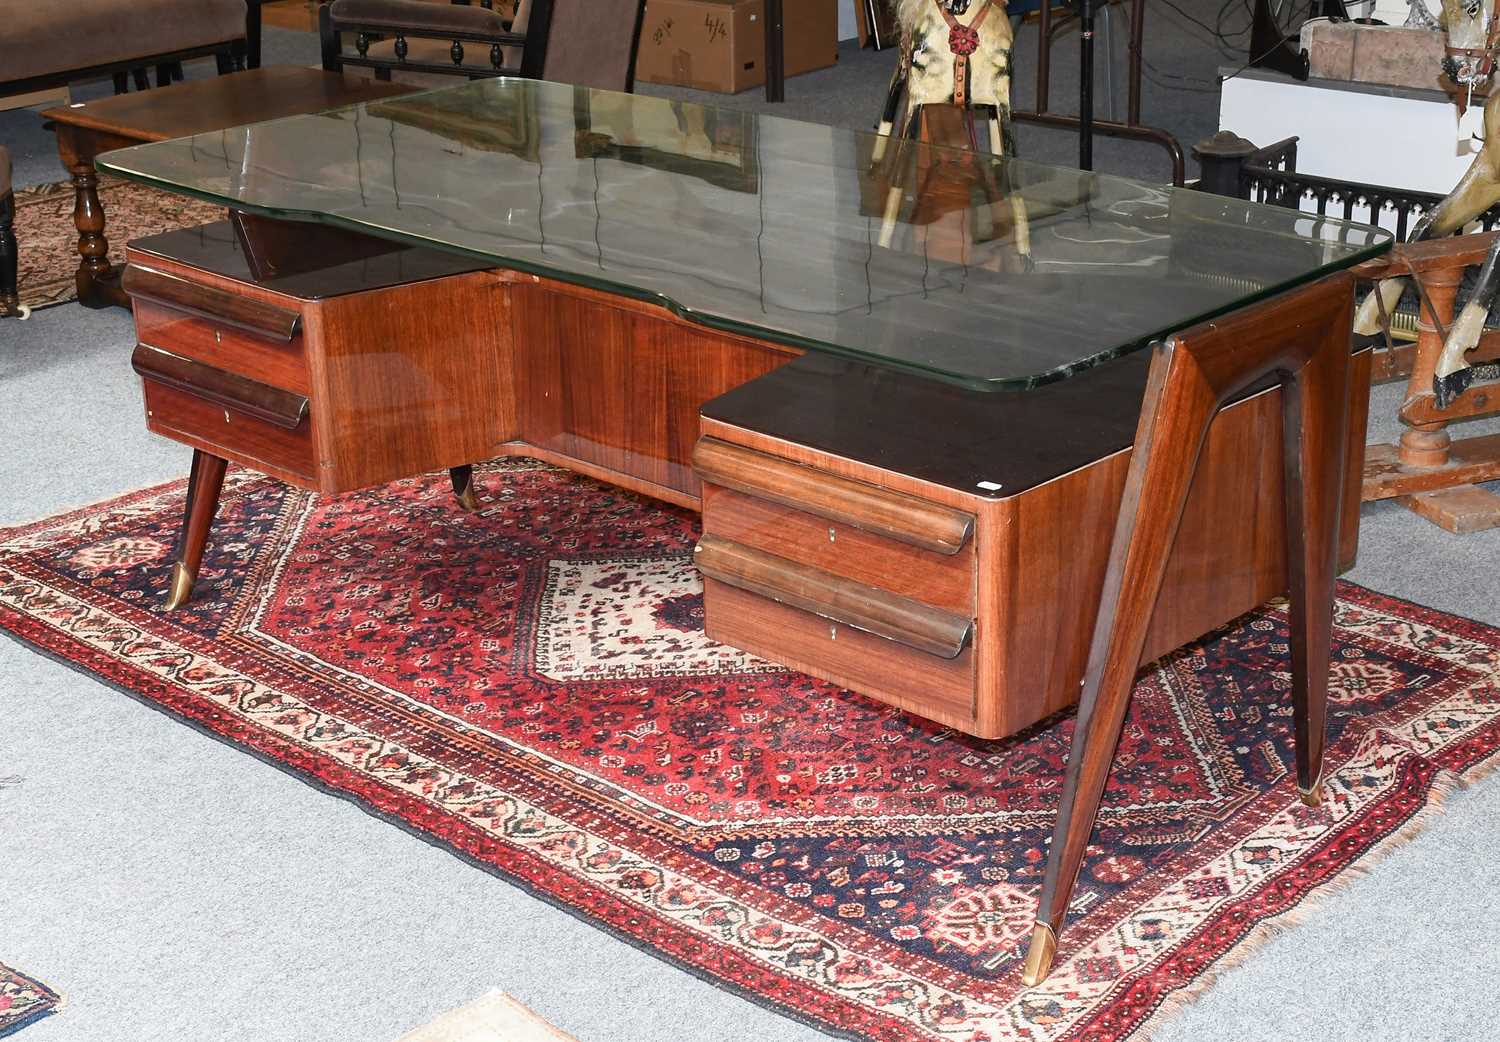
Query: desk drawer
(875, 536)
(940, 689)
(941, 580)
(238, 334)
(264, 427)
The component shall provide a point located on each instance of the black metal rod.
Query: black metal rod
(775, 52)
(1085, 84)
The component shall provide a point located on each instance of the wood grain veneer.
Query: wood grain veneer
(409, 379)
(276, 362)
(895, 515)
(864, 607)
(942, 580)
(1039, 556)
(257, 400)
(936, 688)
(232, 435)
(618, 384)
(221, 306)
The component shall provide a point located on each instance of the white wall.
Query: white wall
(1414, 142)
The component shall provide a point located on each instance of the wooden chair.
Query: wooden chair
(414, 39)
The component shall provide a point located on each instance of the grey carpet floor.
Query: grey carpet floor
(174, 888)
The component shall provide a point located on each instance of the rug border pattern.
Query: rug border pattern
(547, 855)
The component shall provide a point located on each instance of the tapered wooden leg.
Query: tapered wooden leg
(1314, 404)
(205, 482)
(1304, 337)
(1175, 415)
(463, 486)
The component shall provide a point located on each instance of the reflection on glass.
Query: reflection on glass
(996, 274)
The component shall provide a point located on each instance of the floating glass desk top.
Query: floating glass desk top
(890, 252)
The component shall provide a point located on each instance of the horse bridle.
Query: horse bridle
(1480, 60)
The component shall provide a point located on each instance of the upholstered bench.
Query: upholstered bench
(46, 45)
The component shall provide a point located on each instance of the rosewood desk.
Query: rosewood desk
(971, 436)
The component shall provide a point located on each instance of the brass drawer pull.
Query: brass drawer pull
(891, 514)
(261, 401)
(216, 305)
(889, 615)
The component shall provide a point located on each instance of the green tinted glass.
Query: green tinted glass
(996, 274)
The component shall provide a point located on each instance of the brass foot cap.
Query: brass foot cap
(467, 499)
(1039, 956)
(1312, 797)
(182, 587)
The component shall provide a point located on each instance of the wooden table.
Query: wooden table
(927, 472)
(87, 128)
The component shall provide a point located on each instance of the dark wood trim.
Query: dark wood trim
(216, 305)
(896, 618)
(1303, 338)
(261, 401)
(894, 515)
(9, 256)
(205, 483)
(538, 33)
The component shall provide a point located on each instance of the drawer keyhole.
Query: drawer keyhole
(218, 337)
(832, 536)
(833, 633)
(226, 415)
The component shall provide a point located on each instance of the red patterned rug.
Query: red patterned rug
(531, 686)
(23, 1000)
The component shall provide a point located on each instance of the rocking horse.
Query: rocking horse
(953, 53)
(1435, 475)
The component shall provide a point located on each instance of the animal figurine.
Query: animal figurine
(953, 52)
(1473, 35)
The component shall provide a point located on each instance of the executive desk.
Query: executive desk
(911, 394)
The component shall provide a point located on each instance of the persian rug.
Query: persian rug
(531, 686)
(49, 241)
(23, 1000)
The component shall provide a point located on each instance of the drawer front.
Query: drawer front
(894, 515)
(939, 689)
(278, 364)
(227, 431)
(212, 325)
(942, 580)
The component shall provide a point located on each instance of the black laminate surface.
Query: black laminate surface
(216, 248)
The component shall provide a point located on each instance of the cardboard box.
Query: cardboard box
(720, 45)
(1385, 54)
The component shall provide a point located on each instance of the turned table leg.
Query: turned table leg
(93, 247)
(205, 482)
(9, 252)
(1428, 444)
(1304, 337)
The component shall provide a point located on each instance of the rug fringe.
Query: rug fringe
(1443, 786)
